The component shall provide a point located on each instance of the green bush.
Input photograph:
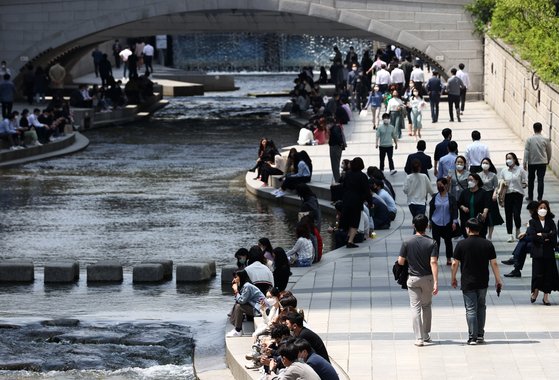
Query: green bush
(530, 26)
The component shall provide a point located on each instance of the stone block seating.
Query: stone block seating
(62, 272)
(227, 273)
(212, 268)
(17, 271)
(104, 271)
(193, 272)
(148, 272)
(167, 268)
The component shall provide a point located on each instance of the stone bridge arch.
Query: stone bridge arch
(440, 30)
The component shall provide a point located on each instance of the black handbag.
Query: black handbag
(457, 232)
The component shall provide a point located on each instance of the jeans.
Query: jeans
(420, 290)
(434, 99)
(417, 209)
(474, 301)
(533, 170)
(386, 151)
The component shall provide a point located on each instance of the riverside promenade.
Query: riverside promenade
(352, 301)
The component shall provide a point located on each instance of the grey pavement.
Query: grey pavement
(352, 301)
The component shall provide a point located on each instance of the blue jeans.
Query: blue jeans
(434, 99)
(474, 301)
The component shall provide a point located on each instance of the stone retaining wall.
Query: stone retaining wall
(513, 92)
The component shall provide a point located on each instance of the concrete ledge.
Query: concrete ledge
(227, 273)
(145, 273)
(193, 272)
(212, 265)
(104, 271)
(167, 267)
(17, 271)
(62, 272)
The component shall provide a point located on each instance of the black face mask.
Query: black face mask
(440, 188)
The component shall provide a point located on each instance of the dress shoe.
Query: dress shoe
(351, 245)
(510, 261)
(514, 273)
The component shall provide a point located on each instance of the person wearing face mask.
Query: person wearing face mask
(386, 134)
(515, 179)
(490, 184)
(295, 321)
(443, 217)
(416, 104)
(323, 369)
(294, 368)
(394, 107)
(543, 232)
(474, 203)
(458, 178)
(269, 308)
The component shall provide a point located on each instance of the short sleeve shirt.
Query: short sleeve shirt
(418, 250)
(474, 254)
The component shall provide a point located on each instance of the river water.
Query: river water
(171, 188)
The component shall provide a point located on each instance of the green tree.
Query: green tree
(482, 11)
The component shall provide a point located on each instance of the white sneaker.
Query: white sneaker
(419, 342)
(511, 239)
(13, 147)
(234, 333)
(279, 193)
(38, 144)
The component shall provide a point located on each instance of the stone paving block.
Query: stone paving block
(148, 272)
(62, 272)
(212, 265)
(227, 273)
(17, 271)
(104, 271)
(167, 267)
(193, 272)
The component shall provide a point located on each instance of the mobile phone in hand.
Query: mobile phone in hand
(498, 286)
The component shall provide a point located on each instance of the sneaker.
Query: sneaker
(38, 144)
(427, 340)
(472, 342)
(392, 172)
(510, 239)
(510, 261)
(13, 148)
(279, 194)
(419, 342)
(480, 340)
(234, 333)
(252, 356)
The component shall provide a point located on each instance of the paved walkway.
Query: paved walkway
(355, 305)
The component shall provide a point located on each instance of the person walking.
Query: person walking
(356, 192)
(453, 87)
(441, 150)
(417, 186)
(337, 144)
(443, 217)
(465, 77)
(386, 133)
(515, 179)
(543, 233)
(423, 158)
(537, 154)
(422, 254)
(474, 255)
(97, 56)
(475, 152)
(434, 89)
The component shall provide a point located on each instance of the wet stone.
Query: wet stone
(104, 271)
(146, 273)
(167, 267)
(62, 322)
(227, 273)
(193, 272)
(17, 271)
(62, 272)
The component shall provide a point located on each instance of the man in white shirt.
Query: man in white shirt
(397, 77)
(466, 80)
(382, 79)
(418, 77)
(476, 152)
(124, 54)
(148, 57)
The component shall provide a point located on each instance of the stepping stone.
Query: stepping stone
(212, 267)
(167, 267)
(104, 271)
(227, 273)
(62, 272)
(193, 272)
(148, 272)
(17, 271)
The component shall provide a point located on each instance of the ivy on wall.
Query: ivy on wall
(530, 26)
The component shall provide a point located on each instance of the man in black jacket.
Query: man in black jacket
(337, 145)
(424, 159)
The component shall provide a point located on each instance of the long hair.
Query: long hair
(243, 278)
(280, 258)
(266, 243)
(492, 167)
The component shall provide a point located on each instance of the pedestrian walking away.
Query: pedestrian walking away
(473, 256)
(465, 77)
(422, 254)
(453, 87)
(386, 134)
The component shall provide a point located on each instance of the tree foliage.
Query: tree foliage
(482, 11)
(530, 26)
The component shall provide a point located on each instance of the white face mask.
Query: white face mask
(542, 212)
(385, 121)
(471, 184)
(509, 162)
(485, 166)
(459, 167)
(271, 301)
